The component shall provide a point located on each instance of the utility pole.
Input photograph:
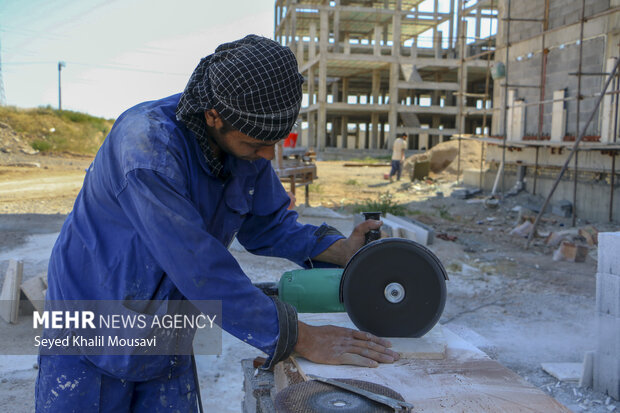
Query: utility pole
(60, 66)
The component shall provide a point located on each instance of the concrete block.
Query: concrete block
(608, 256)
(567, 372)
(608, 294)
(9, 298)
(413, 230)
(608, 334)
(587, 371)
(607, 380)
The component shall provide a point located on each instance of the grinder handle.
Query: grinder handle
(373, 234)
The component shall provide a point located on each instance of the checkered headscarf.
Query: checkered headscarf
(253, 83)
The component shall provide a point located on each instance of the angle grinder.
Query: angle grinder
(391, 287)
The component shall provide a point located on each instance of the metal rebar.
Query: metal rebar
(507, 64)
(486, 94)
(570, 155)
(613, 156)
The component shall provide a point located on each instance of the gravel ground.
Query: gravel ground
(529, 308)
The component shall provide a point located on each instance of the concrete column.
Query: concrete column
(438, 39)
(311, 85)
(396, 29)
(311, 129)
(382, 135)
(344, 131)
(377, 45)
(345, 89)
(366, 144)
(335, 97)
(374, 117)
(300, 52)
(451, 27)
(312, 45)
(435, 97)
(347, 45)
(336, 27)
(478, 23)
(393, 105)
(322, 114)
(435, 18)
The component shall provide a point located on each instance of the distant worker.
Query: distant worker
(398, 156)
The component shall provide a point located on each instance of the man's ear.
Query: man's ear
(213, 118)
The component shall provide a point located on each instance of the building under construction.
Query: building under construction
(524, 77)
(378, 68)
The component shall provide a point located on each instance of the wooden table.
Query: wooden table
(466, 380)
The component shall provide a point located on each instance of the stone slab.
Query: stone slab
(568, 372)
(9, 297)
(430, 347)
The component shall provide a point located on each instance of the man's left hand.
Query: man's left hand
(341, 251)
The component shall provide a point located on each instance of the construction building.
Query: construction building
(442, 70)
(377, 68)
(559, 59)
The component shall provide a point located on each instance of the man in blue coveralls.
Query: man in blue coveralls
(172, 185)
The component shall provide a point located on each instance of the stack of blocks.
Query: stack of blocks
(607, 358)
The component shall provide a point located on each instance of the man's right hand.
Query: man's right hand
(338, 345)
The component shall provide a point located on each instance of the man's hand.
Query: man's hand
(341, 251)
(338, 345)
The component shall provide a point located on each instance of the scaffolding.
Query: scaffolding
(509, 131)
(372, 72)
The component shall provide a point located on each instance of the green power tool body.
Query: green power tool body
(391, 287)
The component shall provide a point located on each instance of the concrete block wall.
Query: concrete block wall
(606, 373)
(561, 13)
(560, 62)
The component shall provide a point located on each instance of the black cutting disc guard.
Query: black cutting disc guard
(401, 262)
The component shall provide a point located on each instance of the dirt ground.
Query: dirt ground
(525, 308)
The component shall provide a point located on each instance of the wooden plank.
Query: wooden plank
(466, 380)
(9, 298)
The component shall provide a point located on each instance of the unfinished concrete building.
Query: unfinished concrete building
(560, 56)
(375, 68)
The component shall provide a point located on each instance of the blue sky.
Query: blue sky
(117, 52)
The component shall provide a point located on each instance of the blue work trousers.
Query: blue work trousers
(71, 384)
(397, 168)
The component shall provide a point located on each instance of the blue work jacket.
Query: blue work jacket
(152, 223)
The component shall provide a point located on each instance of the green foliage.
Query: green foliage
(352, 182)
(50, 130)
(443, 212)
(385, 204)
(315, 187)
(41, 146)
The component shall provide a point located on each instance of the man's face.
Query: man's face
(236, 143)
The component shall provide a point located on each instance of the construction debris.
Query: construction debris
(569, 251)
(523, 230)
(590, 234)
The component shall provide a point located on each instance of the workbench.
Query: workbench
(295, 167)
(466, 380)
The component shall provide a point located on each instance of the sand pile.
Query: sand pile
(443, 158)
